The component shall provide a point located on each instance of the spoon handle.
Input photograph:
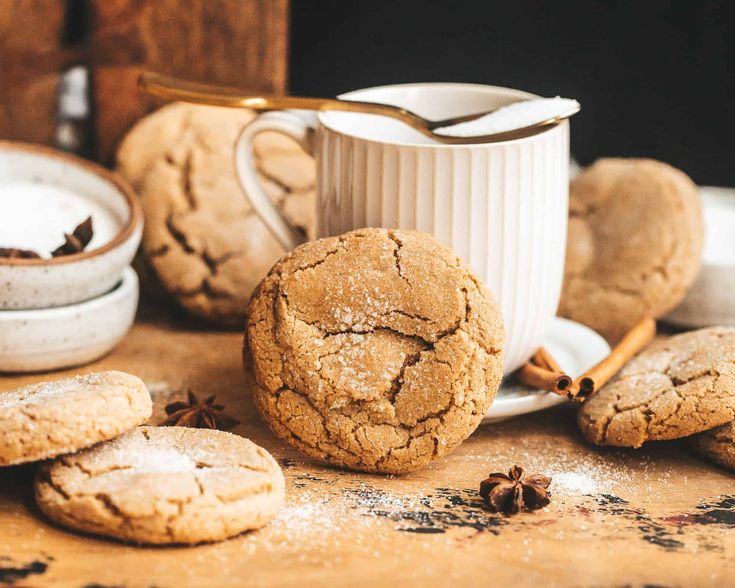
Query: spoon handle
(170, 88)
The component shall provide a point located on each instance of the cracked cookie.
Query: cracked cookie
(676, 388)
(717, 444)
(376, 350)
(44, 420)
(164, 485)
(204, 241)
(634, 243)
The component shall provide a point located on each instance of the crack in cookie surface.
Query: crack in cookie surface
(371, 361)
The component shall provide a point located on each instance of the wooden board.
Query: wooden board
(236, 42)
(29, 29)
(655, 516)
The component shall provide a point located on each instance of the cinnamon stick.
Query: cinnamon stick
(634, 341)
(542, 358)
(543, 372)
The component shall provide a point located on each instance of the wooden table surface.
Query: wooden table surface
(655, 516)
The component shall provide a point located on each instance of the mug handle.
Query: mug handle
(302, 132)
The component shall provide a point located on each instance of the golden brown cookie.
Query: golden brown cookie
(164, 485)
(203, 239)
(676, 388)
(717, 444)
(376, 350)
(44, 420)
(634, 243)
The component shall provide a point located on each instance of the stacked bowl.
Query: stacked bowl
(57, 312)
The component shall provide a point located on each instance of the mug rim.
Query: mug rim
(437, 145)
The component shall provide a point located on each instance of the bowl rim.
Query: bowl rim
(136, 211)
(128, 284)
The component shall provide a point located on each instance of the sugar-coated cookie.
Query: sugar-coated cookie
(202, 238)
(376, 350)
(163, 485)
(717, 444)
(634, 243)
(676, 388)
(44, 420)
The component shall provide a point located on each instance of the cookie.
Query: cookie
(634, 243)
(717, 444)
(44, 420)
(202, 238)
(163, 485)
(676, 388)
(376, 350)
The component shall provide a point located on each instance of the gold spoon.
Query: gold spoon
(170, 88)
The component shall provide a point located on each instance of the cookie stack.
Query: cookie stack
(681, 387)
(204, 242)
(634, 249)
(113, 477)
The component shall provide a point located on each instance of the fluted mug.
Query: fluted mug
(502, 207)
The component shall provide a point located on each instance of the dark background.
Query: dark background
(654, 78)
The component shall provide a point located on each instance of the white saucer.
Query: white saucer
(574, 346)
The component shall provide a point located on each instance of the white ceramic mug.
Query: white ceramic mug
(502, 207)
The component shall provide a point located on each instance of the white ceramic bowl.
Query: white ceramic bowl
(61, 281)
(65, 336)
(711, 300)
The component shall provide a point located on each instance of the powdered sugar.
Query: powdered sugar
(158, 459)
(579, 482)
(514, 116)
(43, 391)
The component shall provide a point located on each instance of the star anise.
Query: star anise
(77, 241)
(201, 415)
(74, 243)
(515, 492)
(15, 253)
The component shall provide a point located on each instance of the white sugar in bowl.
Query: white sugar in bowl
(45, 193)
